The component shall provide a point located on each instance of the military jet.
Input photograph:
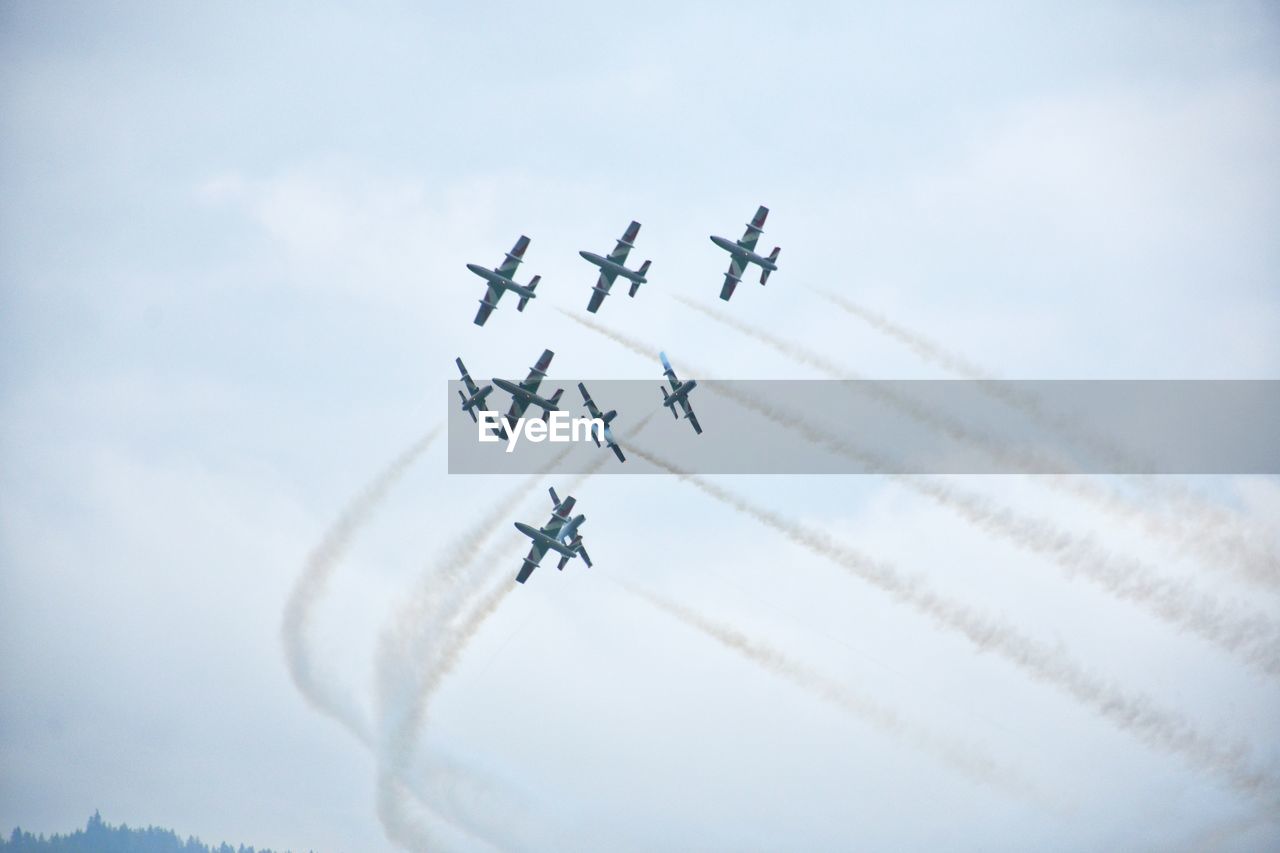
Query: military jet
(560, 534)
(500, 281)
(607, 417)
(744, 253)
(613, 266)
(679, 394)
(525, 394)
(475, 396)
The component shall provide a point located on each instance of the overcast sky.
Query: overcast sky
(232, 286)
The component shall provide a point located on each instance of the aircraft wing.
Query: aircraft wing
(625, 244)
(618, 451)
(467, 381)
(598, 293)
(732, 277)
(513, 258)
(517, 410)
(490, 301)
(592, 408)
(688, 413)
(531, 562)
(754, 227)
(539, 370)
(559, 516)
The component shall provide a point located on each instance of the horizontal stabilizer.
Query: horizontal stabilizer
(635, 285)
(554, 401)
(524, 300)
(773, 258)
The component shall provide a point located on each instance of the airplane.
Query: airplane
(743, 253)
(613, 266)
(607, 417)
(525, 394)
(560, 534)
(679, 394)
(500, 280)
(475, 396)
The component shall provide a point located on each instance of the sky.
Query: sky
(233, 241)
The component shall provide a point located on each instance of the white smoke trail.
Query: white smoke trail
(405, 670)
(311, 585)
(423, 645)
(309, 589)
(1250, 636)
(961, 757)
(1131, 712)
(1218, 535)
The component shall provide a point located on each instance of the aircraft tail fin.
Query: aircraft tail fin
(635, 285)
(555, 401)
(773, 259)
(533, 285)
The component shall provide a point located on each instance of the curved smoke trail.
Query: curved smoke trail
(423, 645)
(1250, 636)
(1212, 531)
(309, 589)
(1131, 712)
(311, 585)
(405, 668)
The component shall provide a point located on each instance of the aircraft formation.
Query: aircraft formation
(501, 278)
(562, 533)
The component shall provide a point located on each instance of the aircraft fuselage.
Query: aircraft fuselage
(613, 267)
(502, 281)
(568, 532)
(737, 251)
(681, 393)
(528, 397)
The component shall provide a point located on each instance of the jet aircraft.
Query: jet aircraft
(560, 534)
(743, 253)
(500, 281)
(614, 266)
(607, 417)
(475, 396)
(525, 394)
(679, 394)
